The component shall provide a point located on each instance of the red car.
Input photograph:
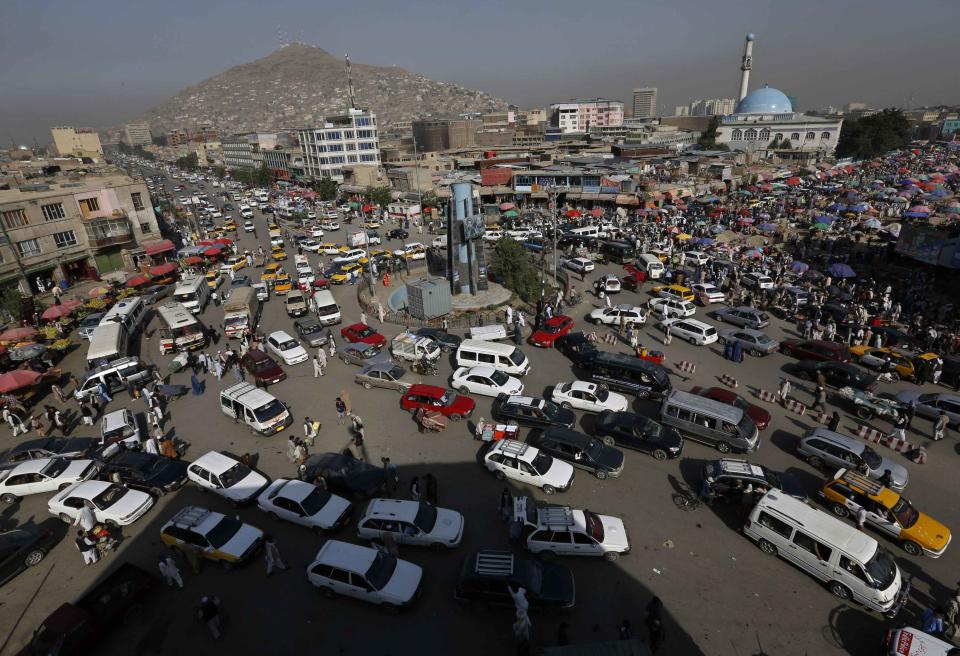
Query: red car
(635, 279)
(552, 328)
(262, 367)
(361, 332)
(759, 416)
(815, 349)
(430, 397)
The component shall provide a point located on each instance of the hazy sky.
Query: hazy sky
(96, 63)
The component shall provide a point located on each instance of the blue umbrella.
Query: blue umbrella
(939, 193)
(766, 227)
(704, 241)
(799, 267)
(716, 229)
(872, 224)
(915, 215)
(708, 199)
(826, 218)
(841, 270)
(860, 207)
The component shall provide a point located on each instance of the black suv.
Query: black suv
(577, 347)
(345, 475)
(729, 476)
(529, 411)
(837, 374)
(581, 451)
(444, 340)
(398, 233)
(485, 575)
(640, 433)
(148, 472)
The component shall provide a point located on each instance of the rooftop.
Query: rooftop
(50, 187)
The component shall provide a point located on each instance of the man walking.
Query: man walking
(820, 399)
(16, 424)
(341, 411)
(170, 572)
(87, 547)
(940, 426)
(899, 428)
(784, 391)
(272, 553)
(317, 368)
(209, 612)
(86, 519)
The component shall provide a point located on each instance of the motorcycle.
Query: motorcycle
(425, 368)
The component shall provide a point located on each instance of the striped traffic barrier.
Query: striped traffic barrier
(921, 456)
(768, 397)
(686, 367)
(610, 338)
(795, 406)
(869, 434)
(823, 417)
(729, 381)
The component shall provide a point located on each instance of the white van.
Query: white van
(256, 408)
(586, 231)
(651, 265)
(504, 357)
(328, 312)
(192, 292)
(130, 312)
(114, 376)
(852, 564)
(180, 331)
(107, 343)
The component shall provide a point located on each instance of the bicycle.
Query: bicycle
(686, 499)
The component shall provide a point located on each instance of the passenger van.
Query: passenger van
(617, 251)
(257, 408)
(328, 312)
(852, 564)
(716, 424)
(107, 343)
(115, 376)
(651, 265)
(626, 373)
(130, 312)
(503, 357)
(192, 292)
(180, 331)
(586, 231)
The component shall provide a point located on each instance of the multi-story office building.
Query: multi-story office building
(645, 102)
(67, 227)
(245, 151)
(580, 115)
(137, 134)
(177, 137)
(681, 110)
(343, 139)
(77, 142)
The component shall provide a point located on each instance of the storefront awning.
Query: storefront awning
(163, 269)
(626, 199)
(158, 246)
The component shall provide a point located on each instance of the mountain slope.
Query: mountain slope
(298, 84)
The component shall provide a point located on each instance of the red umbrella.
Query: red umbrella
(193, 259)
(100, 291)
(56, 312)
(163, 269)
(367, 208)
(205, 242)
(223, 240)
(596, 212)
(793, 182)
(17, 379)
(506, 206)
(746, 212)
(573, 214)
(212, 252)
(72, 303)
(17, 334)
(137, 281)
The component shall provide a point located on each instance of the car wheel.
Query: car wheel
(499, 475)
(864, 413)
(911, 548)
(9, 498)
(767, 547)
(894, 376)
(787, 352)
(413, 411)
(755, 353)
(64, 487)
(462, 389)
(600, 474)
(815, 461)
(566, 405)
(455, 417)
(724, 341)
(346, 360)
(611, 556)
(839, 590)
(112, 524)
(609, 441)
(548, 489)
(132, 614)
(723, 447)
(34, 557)
(806, 375)
(437, 546)
(390, 608)
(839, 509)
(226, 564)
(367, 385)
(659, 454)
(156, 492)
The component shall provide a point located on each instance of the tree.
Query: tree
(786, 145)
(219, 171)
(773, 145)
(873, 135)
(510, 263)
(326, 188)
(708, 138)
(380, 196)
(429, 199)
(264, 176)
(188, 162)
(160, 140)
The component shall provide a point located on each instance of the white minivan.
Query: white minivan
(503, 357)
(328, 312)
(651, 265)
(853, 565)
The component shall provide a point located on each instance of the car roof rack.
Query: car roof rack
(514, 448)
(737, 466)
(190, 516)
(866, 484)
(494, 563)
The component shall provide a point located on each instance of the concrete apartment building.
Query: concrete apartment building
(580, 115)
(245, 151)
(137, 134)
(645, 102)
(341, 140)
(72, 227)
(77, 142)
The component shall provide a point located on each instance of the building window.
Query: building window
(825, 135)
(779, 136)
(352, 159)
(810, 135)
(368, 158)
(750, 135)
(764, 134)
(795, 136)
(146, 228)
(64, 239)
(367, 145)
(335, 148)
(53, 212)
(88, 205)
(737, 134)
(137, 201)
(351, 146)
(334, 136)
(15, 218)
(348, 134)
(28, 247)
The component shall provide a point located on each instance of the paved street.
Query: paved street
(723, 595)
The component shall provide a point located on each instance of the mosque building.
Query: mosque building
(764, 120)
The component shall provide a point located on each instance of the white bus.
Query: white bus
(181, 331)
(193, 292)
(130, 312)
(107, 343)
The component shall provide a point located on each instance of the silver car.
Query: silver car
(753, 341)
(383, 374)
(824, 448)
(746, 317)
(930, 405)
(362, 354)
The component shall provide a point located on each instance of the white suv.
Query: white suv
(693, 331)
(410, 522)
(611, 316)
(286, 348)
(521, 462)
(371, 575)
(565, 531)
(224, 474)
(672, 307)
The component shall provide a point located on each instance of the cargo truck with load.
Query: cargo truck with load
(241, 312)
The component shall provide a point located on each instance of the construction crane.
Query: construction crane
(350, 92)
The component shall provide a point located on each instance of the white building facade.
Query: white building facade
(343, 140)
(581, 115)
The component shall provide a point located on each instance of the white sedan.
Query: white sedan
(486, 381)
(707, 293)
(304, 504)
(351, 255)
(581, 265)
(608, 284)
(611, 316)
(311, 245)
(43, 475)
(286, 348)
(672, 308)
(589, 397)
(112, 504)
(329, 224)
(411, 522)
(316, 232)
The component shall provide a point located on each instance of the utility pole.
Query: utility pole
(416, 176)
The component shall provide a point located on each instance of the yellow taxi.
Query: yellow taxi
(214, 278)
(270, 272)
(198, 529)
(346, 273)
(273, 226)
(906, 364)
(282, 283)
(380, 254)
(329, 248)
(235, 262)
(887, 512)
(278, 254)
(230, 226)
(674, 292)
(370, 224)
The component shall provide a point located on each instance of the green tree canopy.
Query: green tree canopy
(188, 162)
(509, 261)
(874, 135)
(378, 196)
(326, 188)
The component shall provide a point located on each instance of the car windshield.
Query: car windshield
(500, 378)
(365, 332)
(602, 393)
(549, 409)
(426, 517)
(881, 569)
(872, 458)
(256, 366)
(368, 352)
(594, 525)
(555, 328)
(446, 398)
(234, 475)
(516, 357)
(315, 501)
(594, 447)
(109, 496)
(542, 463)
(381, 570)
(905, 513)
(396, 373)
(311, 328)
(225, 529)
(289, 344)
(762, 339)
(55, 467)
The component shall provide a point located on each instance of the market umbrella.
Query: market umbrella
(766, 227)
(823, 227)
(913, 214)
(596, 212)
(793, 182)
(573, 214)
(894, 229)
(859, 207)
(841, 270)
(56, 312)
(799, 267)
(684, 236)
(17, 334)
(745, 220)
(27, 352)
(745, 212)
(17, 379)
(703, 241)
(509, 214)
(211, 252)
(753, 253)
(506, 206)
(163, 269)
(192, 260)
(99, 291)
(725, 237)
(137, 281)
(872, 224)
(825, 218)
(223, 240)
(756, 240)
(716, 229)
(922, 209)
(813, 274)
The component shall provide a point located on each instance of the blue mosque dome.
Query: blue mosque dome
(765, 100)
